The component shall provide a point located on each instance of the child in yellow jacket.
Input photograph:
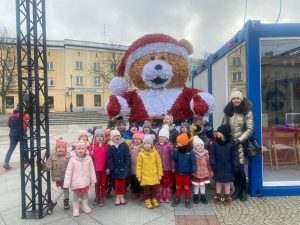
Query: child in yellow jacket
(149, 171)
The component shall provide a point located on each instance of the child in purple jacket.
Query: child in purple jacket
(165, 149)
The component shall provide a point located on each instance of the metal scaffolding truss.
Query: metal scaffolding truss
(33, 101)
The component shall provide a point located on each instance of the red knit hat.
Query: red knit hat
(148, 44)
(61, 142)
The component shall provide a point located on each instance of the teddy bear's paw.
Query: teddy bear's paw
(116, 106)
(209, 100)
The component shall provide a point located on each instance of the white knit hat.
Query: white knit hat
(197, 141)
(164, 132)
(114, 133)
(236, 94)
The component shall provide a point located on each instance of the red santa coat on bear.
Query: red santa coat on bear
(182, 103)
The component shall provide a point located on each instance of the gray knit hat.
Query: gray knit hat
(99, 132)
(148, 139)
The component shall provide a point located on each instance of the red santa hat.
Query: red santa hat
(148, 44)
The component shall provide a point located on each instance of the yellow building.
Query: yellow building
(79, 73)
(236, 64)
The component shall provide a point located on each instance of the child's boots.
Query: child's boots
(50, 208)
(218, 199)
(168, 195)
(227, 199)
(85, 206)
(75, 208)
(188, 203)
(203, 199)
(196, 199)
(66, 204)
(148, 204)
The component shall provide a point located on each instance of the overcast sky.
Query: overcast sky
(207, 24)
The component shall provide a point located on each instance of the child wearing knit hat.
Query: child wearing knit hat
(80, 175)
(81, 136)
(224, 163)
(133, 127)
(57, 164)
(119, 164)
(149, 171)
(165, 149)
(203, 172)
(185, 165)
(98, 152)
(134, 149)
(168, 120)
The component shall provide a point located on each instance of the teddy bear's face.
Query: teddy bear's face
(161, 70)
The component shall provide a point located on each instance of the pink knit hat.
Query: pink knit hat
(138, 135)
(61, 142)
(82, 132)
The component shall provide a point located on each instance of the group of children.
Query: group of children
(153, 163)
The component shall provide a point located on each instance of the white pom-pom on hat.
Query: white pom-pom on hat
(118, 85)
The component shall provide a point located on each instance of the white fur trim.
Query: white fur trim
(210, 101)
(124, 106)
(192, 105)
(164, 100)
(201, 183)
(118, 85)
(155, 48)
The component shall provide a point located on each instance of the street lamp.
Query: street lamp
(71, 89)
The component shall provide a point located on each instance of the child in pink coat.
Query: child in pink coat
(203, 171)
(98, 152)
(134, 150)
(80, 174)
(165, 149)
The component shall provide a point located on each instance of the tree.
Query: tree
(106, 67)
(8, 66)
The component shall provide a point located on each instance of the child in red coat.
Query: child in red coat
(98, 152)
(203, 172)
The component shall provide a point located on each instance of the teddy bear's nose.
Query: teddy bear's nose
(158, 67)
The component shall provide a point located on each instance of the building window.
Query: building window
(79, 80)
(48, 53)
(78, 53)
(237, 76)
(7, 81)
(96, 55)
(51, 102)
(97, 81)
(79, 100)
(113, 67)
(9, 102)
(97, 100)
(50, 81)
(96, 66)
(49, 65)
(79, 65)
(9, 64)
(236, 61)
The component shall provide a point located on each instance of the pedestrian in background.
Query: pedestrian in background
(13, 122)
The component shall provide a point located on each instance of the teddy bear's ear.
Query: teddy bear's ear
(187, 45)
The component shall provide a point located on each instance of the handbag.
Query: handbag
(251, 148)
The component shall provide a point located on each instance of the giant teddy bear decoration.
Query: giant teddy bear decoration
(157, 65)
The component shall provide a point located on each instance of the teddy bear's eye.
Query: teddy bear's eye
(152, 57)
(162, 57)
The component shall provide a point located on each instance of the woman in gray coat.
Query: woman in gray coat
(239, 117)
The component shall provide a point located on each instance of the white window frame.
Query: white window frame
(79, 80)
(9, 64)
(96, 66)
(50, 81)
(97, 81)
(50, 66)
(79, 65)
(237, 76)
(236, 61)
